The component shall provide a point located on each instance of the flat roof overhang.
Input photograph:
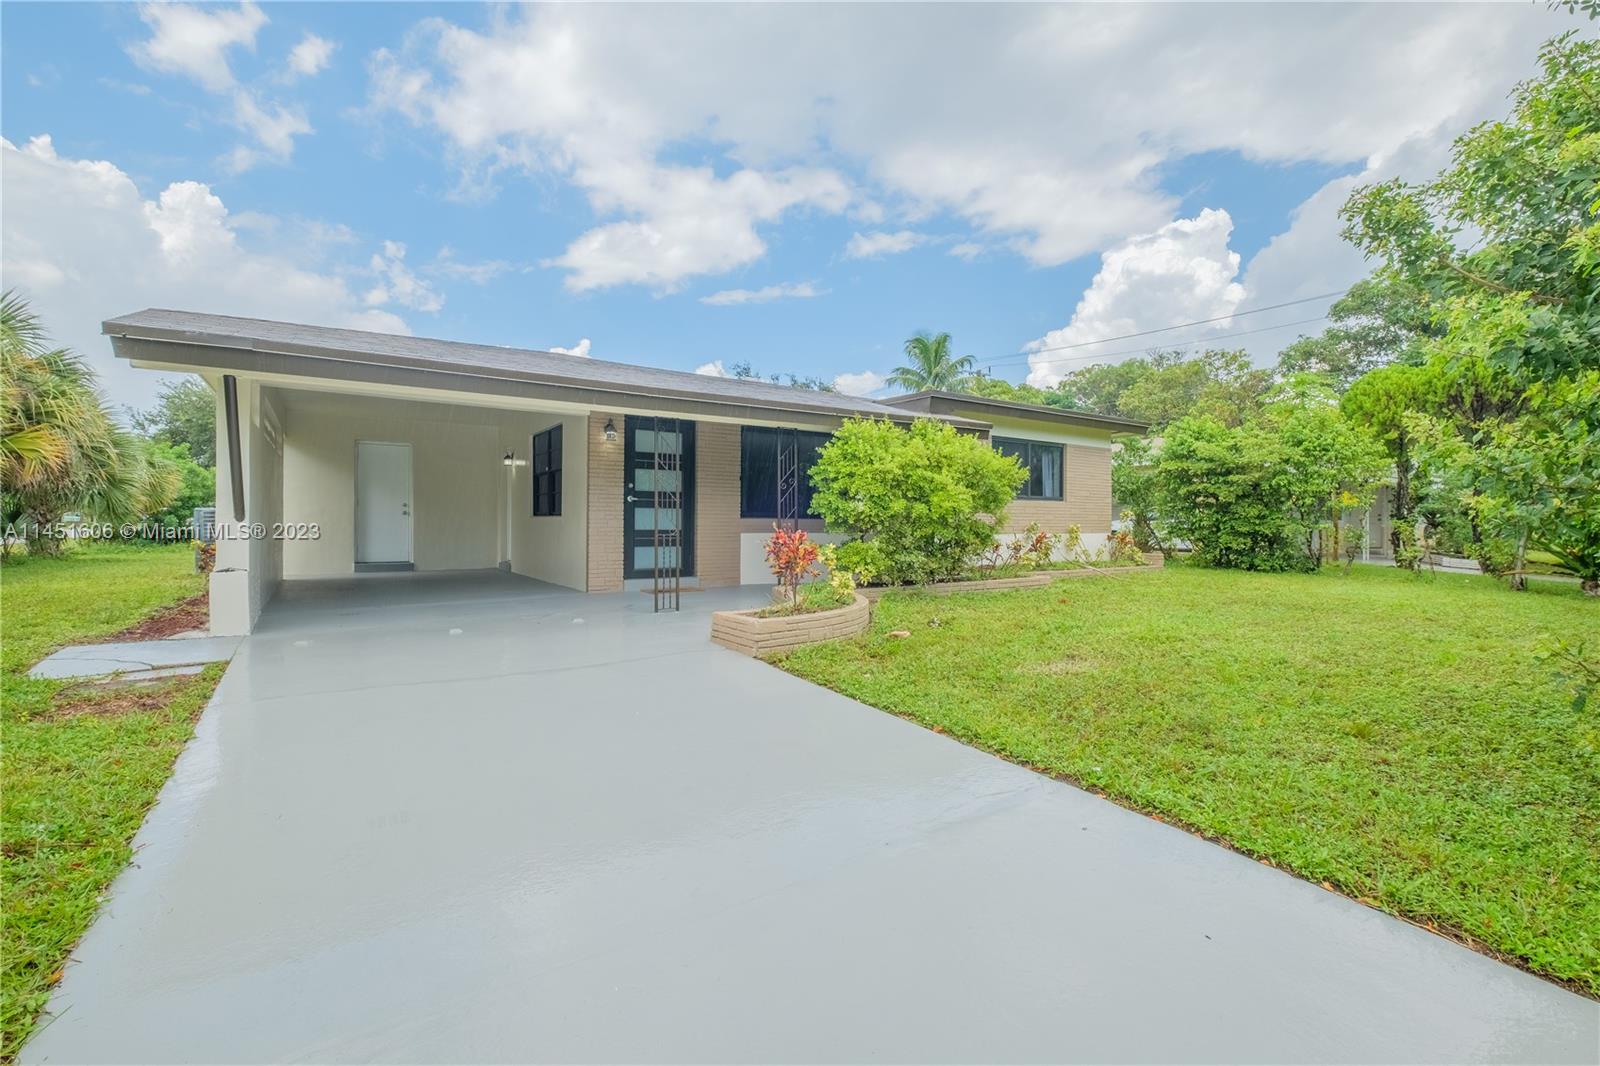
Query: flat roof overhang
(944, 404)
(183, 352)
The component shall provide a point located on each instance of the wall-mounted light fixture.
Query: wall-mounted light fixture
(611, 430)
(512, 460)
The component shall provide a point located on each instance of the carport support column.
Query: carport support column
(232, 613)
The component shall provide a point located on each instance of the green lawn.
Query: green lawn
(75, 788)
(1385, 733)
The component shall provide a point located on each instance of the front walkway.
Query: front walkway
(442, 826)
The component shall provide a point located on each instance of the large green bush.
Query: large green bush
(921, 503)
(1265, 495)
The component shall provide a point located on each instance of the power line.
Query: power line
(1165, 329)
(1186, 344)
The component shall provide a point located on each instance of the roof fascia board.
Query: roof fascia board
(950, 403)
(188, 343)
(281, 368)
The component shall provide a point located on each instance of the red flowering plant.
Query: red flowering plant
(792, 557)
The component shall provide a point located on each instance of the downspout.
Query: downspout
(230, 406)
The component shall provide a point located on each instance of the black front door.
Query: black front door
(646, 434)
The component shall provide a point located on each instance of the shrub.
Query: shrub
(1264, 495)
(1123, 548)
(842, 577)
(927, 499)
(792, 557)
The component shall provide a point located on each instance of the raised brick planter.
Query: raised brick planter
(748, 633)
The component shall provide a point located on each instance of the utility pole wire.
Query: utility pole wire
(1182, 345)
(1169, 329)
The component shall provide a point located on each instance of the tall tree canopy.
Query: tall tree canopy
(185, 414)
(930, 365)
(1382, 319)
(1505, 241)
(1000, 389)
(1216, 384)
(1382, 402)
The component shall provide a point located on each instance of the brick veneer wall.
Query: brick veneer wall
(605, 504)
(1088, 488)
(716, 518)
(1086, 494)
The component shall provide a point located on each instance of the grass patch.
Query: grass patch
(1384, 733)
(80, 770)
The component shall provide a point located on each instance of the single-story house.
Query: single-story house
(341, 452)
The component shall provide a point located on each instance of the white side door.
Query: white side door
(383, 502)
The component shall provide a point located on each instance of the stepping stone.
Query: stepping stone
(94, 660)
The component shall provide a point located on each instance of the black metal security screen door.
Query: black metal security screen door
(643, 471)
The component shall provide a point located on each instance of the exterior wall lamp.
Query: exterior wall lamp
(611, 430)
(512, 460)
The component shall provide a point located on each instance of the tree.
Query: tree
(1099, 387)
(197, 485)
(1221, 489)
(60, 449)
(1381, 401)
(1381, 320)
(930, 365)
(1533, 481)
(1134, 487)
(1220, 384)
(1331, 463)
(1505, 242)
(1265, 495)
(919, 504)
(746, 372)
(185, 414)
(998, 389)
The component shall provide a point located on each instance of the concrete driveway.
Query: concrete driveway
(474, 819)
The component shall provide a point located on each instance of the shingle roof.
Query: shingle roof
(944, 404)
(478, 360)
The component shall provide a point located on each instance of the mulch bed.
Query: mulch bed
(190, 614)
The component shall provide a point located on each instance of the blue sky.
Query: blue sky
(798, 187)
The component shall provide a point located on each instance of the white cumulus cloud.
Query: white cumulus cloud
(1182, 272)
(1051, 145)
(273, 127)
(310, 57)
(688, 221)
(83, 244)
(397, 284)
(581, 349)
(872, 245)
(800, 290)
(194, 41)
(713, 369)
(864, 383)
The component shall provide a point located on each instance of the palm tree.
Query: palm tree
(930, 365)
(60, 449)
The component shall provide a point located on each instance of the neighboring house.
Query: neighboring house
(1370, 526)
(363, 452)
